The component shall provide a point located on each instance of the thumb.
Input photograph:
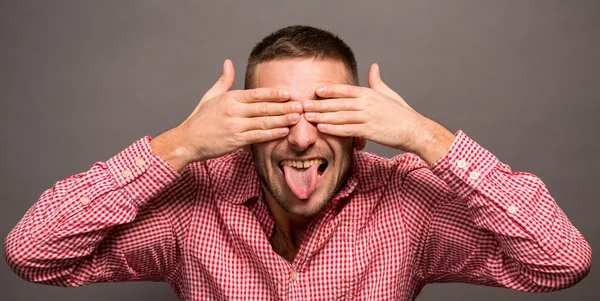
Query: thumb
(376, 83)
(224, 83)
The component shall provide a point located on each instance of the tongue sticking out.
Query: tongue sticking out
(302, 181)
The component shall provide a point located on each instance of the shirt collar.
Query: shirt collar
(237, 181)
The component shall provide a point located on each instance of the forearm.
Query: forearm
(524, 218)
(72, 218)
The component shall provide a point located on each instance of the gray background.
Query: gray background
(81, 80)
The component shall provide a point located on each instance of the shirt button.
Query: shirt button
(140, 162)
(461, 163)
(512, 209)
(126, 173)
(474, 175)
(84, 200)
(294, 275)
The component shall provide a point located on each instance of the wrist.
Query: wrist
(434, 142)
(170, 146)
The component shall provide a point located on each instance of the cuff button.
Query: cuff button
(140, 162)
(461, 163)
(126, 173)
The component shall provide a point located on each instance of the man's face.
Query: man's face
(302, 191)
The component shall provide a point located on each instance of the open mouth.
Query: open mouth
(304, 165)
(302, 177)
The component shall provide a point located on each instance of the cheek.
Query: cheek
(262, 152)
(339, 145)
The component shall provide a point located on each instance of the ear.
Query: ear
(359, 143)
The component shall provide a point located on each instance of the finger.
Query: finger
(340, 117)
(376, 83)
(262, 94)
(257, 136)
(340, 130)
(224, 83)
(334, 105)
(339, 91)
(271, 108)
(271, 122)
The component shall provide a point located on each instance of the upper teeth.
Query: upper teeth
(302, 164)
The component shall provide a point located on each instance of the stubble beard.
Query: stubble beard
(278, 195)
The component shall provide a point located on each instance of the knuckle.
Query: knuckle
(263, 109)
(231, 109)
(263, 122)
(347, 104)
(258, 136)
(346, 130)
(341, 117)
(274, 93)
(288, 107)
(232, 126)
(254, 94)
(237, 140)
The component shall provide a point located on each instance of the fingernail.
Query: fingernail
(284, 131)
(308, 105)
(321, 89)
(321, 126)
(295, 117)
(297, 107)
(309, 115)
(285, 94)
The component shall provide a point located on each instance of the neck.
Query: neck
(289, 229)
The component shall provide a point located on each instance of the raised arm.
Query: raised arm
(482, 222)
(122, 219)
(94, 226)
(485, 224)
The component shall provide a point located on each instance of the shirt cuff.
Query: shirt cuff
(465, 165)
(141, 173)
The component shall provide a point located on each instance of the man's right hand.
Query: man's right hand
(225, 121)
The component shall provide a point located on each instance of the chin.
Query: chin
(305, 208)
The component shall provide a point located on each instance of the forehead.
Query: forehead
(300, 77)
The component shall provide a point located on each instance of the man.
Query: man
(264, 194)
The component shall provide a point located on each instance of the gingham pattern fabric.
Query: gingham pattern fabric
(397, 225)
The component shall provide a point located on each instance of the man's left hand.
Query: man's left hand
(378, 114)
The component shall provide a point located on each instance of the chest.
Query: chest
(228, 256)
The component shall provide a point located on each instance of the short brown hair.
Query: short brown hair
(300, 41)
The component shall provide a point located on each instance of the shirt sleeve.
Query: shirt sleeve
(485, 224)
(95, 226)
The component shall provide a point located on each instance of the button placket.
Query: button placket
(293, 275)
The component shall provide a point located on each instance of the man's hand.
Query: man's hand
(225, 121)
(378, 114)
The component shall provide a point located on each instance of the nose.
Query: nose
(302, 135)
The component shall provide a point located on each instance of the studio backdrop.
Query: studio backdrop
(82, 80)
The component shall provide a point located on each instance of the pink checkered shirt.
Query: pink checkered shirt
(397, 225)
